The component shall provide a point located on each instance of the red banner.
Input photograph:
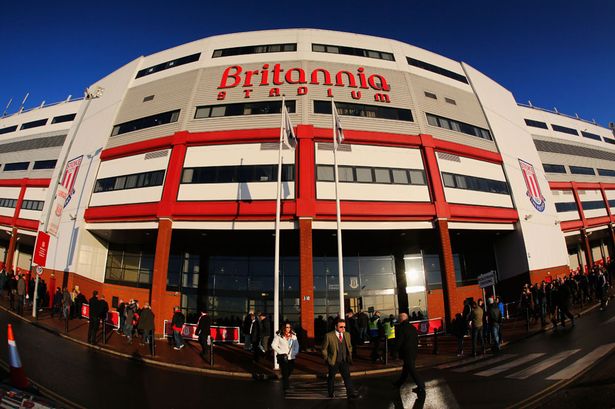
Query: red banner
(427, 327)
(40, 251)
(218, 334)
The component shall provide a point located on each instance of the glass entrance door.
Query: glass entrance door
(415, 285)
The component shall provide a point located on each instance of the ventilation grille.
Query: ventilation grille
(555, 147)
(272, 146)
(157, 154)
(38, 143)
(449, 156)
(329, 147)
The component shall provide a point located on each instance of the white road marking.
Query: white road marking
(501, 368)
(610, 321)
(484, 363)
(314, 391)
(542, 365)
(582, 363)
(459, 362)
(438, 395)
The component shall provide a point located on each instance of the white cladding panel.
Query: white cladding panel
(46, 112)
(565, 196)
(98, 116)
(127, 196)
(373, 192)
(592, 196)
(235, 155)
(30, 214)
(514, 143)
(234, 191)
(134, 164)
(35, 193)
(376, 156)
(7, 211)
(610, 194)
(472, 197)
(9, 192)
(472, 167)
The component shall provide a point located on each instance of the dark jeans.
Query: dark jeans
(286, 367)
(344, 370)
(477, 333)
(495, 333)
(21, 299)
(565, 312)
(93, 330)
(409, 369)
(460, 345)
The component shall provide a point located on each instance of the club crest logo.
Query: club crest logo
(533, 188)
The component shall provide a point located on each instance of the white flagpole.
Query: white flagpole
(340, 259)
(276, 260)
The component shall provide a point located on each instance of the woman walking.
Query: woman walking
(286, 348)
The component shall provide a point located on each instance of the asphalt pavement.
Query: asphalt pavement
(522, 374)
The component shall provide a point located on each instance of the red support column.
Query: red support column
(306, 278)
(588, 250)
(10, 252)
(447, 265)
(305, 172)
(159, 276)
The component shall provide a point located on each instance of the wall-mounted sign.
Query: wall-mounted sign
(235, 76)
(533, 188)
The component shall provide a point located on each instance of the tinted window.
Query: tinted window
(549, 168)
(169, 64)
(45, 164)
(581, 170)
(438, 70)
(34, 124)
(536, 124)
(63, 118)
(146, 122)
(564, 129)
(254, 49)
(368, 111)
(16, 166)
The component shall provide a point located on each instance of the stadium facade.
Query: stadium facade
(160, 184)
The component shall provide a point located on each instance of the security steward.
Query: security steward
(407, 340)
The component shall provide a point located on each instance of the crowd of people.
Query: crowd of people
(20, 289)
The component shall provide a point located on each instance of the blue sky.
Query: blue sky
(554, 53)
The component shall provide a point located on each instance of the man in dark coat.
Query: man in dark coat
(203, 331)
(146, 323)
(177, 324)
(564, 298)
(94, 318)
(103, 311)
(408, 347)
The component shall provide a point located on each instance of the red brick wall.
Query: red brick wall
(536, 276)
(435, 300)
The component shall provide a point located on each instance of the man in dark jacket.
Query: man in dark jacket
(494, 317)
(103, 311)
(407, 342)
(564, 299)
(265, 332)
(146, 323)
(203, 331)
(94, 318)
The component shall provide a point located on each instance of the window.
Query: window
(581, 170)
(16, 166)
(129, 266)
(431, 95)
(564, 129)
(45, 164)
(169, 64)
(612, 203)
(10, 203)
(8, 129)
(536, 124)
(549, 168)
(607, 140)
(450, 101)
(438, 70)
(368, 111)
(606, 172)
(364, 174)
(248, 108)
(593, 205)
(238, 174)
(457, 126)
(566, 207)
(146, 122)
(359, 52)
(34, 124)
(32, 205)
(474, 183)
(591, 136)
(255, 49)
(63, 118)
(138, 180)
(148, 98)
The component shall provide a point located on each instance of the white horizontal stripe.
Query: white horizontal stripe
(541, 366)
(612, 320)
(582, 363)
(509, 365)
(484, 363)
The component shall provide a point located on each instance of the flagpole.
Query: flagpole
(340, 259)
(276, 259)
